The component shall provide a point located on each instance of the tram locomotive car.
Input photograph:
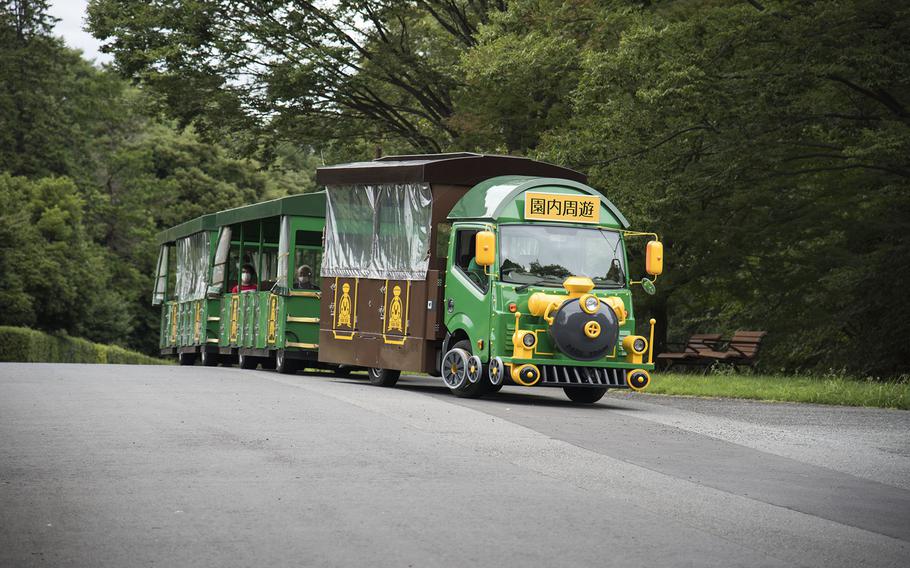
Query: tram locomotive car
(482, 270)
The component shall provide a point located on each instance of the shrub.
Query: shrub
(31, 346)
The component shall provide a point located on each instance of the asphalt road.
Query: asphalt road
(176, 466)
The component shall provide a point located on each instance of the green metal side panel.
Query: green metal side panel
(471, 312)
(298, 325)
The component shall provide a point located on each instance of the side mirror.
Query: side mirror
(485, 247)
(654, 258)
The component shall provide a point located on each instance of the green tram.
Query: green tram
(180, 288)
(482, 270)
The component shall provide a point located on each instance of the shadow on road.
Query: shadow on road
(524, 397)
(513, 398)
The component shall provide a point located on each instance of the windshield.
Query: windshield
(547, 254)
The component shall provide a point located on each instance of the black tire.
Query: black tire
(383, 377)
(491, 388)
(467, 388)
(209, 358)
(186, 359)
(343, 371)
(585, 395)
(284, 365)
(246, 361)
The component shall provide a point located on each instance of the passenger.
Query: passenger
(304, 278)
(247, 280)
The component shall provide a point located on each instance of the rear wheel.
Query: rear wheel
(284, 365)
(246, 362)
(343, 371)
(384, 377)
(495, 374)
(585, 395)
(463, 372)
(186, 358)
(209, 358)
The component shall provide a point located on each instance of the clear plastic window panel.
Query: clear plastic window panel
(158, 294)
(192, 267)
(378, 231)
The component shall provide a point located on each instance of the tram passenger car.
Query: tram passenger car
(182, 273)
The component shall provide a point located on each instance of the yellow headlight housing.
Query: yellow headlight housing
(589, 303)
(635, 347)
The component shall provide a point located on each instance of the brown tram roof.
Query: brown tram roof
(463, 168)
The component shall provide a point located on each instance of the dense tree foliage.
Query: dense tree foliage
(308, 71)
(89, 176)
(767, 141)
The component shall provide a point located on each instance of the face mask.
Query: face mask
(245, 277)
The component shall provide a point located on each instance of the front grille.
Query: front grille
(558, 375)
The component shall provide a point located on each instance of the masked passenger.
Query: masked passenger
(247, 280)
(304, 278)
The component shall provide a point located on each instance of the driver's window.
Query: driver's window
(465, 250)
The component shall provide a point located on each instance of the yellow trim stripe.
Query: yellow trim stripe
(213, 318)
(293, 319)
(303, 345)
(301, 294)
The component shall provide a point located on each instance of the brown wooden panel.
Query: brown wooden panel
(376, 323)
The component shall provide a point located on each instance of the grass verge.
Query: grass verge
(22, 344)
(819, 390)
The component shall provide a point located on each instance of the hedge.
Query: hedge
(31, 346)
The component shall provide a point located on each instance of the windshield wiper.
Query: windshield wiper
(524, 287)
(540, 280)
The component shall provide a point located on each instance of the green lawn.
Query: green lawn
(819, 390)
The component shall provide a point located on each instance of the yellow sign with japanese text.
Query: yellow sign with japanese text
(562, 207)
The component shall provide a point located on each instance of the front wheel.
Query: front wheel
(383, 377)
(585, 395)
(463, 372)
(186, 359)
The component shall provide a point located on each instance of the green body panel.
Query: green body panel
(186, 324)
(495, 203)
(472, 307)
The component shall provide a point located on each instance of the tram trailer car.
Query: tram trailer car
(184, 258)
(482, 269)
(209, 313)
(273, 318)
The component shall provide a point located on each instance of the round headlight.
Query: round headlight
(529, 340)
(591, 304)
(639, 345)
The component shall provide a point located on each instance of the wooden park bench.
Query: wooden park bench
(742, 349)
(704, 350)
(689, 355)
